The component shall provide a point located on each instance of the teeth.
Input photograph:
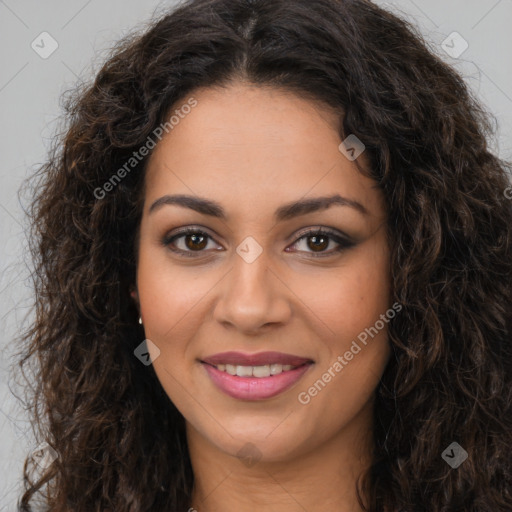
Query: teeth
(244, 371)
(261, 371)
(276, 368)
(254, 371)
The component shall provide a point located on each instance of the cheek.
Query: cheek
(170, 303)
(351, 305)
(353, 297)
(360, 295)
(167, 300)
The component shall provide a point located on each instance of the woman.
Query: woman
(273, 273)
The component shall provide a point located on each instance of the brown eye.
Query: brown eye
(187, 242)
(315, 243)
(319, 243)
(195, 242)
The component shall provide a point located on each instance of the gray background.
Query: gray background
(30, 87)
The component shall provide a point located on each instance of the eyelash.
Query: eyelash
(343, 242)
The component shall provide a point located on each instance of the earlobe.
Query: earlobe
(135, 296)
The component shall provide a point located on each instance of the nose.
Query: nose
(253, 297)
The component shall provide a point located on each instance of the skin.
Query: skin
(252, 149)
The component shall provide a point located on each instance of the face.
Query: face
(270, 283)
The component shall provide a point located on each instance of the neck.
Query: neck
(321, 477)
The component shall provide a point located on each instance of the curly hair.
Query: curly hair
(120, 442)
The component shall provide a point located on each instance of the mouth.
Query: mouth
(255, 376)
(266, 370)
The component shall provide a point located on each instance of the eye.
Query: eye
(318, 240)
(190, 240)
(193, 240)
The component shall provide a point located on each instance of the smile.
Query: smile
(255, 371)
(270, 374)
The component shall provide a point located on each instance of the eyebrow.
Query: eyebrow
(284, 212)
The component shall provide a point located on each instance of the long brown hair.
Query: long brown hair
(119, 440)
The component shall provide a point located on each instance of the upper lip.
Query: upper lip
(258, 359)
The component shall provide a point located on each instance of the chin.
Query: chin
(261, 441)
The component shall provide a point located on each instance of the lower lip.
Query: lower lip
(255, 388)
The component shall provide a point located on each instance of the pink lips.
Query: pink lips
(255, 388)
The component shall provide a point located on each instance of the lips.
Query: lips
(255, 376)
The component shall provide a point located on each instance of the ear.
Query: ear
(134, 294)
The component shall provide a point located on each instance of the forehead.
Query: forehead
(251, 143)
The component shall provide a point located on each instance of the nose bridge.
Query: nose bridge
(252, 296)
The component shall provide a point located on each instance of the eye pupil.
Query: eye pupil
(316, 242)
(196, 239)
